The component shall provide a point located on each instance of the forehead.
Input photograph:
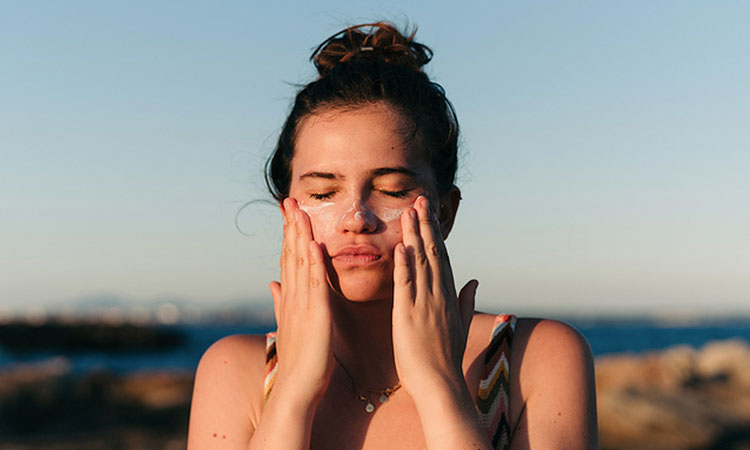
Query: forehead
(351, 141)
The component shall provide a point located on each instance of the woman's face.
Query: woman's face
(354, 175)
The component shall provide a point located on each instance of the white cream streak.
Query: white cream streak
(391, 214)
(325, 214)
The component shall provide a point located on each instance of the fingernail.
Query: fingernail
(296, 216)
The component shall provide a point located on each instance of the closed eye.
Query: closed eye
(397, 194)
(322, 196)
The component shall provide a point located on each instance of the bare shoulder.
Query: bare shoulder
(555, 373)
(549, 350)
(546, 340)
(241, 349)
(228, 391)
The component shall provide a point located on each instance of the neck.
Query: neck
(363, 341)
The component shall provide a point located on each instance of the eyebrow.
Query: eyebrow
(377, 173)
(324, 175)
(389, 170)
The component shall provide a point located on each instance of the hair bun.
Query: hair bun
(380, 41)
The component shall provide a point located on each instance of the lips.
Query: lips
(357, 255)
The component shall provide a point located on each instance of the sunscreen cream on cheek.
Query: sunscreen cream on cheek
(322, 217)
(390, 214)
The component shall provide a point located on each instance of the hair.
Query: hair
(369, 64)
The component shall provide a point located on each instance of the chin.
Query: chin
(362, 288)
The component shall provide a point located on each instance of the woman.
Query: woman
(375, 348)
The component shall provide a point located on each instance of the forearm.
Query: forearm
(286, 423)
(449, 418)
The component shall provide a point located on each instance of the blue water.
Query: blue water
(186, 357)
(605, 337)
(609, 337)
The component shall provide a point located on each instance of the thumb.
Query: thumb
(466, 301)
(275, 288)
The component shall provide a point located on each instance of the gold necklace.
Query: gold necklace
(384, 394)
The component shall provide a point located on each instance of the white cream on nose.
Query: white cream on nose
(329, 217)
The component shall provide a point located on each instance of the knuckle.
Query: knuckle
(300, 261)
(421, 258)
(434, 249)
(314, 282)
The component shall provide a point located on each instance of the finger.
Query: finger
(317, 272)
(433, 243)
(283, 239)
(304, 227)
(287, 242)
(415, 252)
(466, 302)
(301, 257)
(403, 279)
(446, 272)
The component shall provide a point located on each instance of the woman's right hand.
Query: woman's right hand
(304, 340)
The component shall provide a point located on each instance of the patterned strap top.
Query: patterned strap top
(493, 398)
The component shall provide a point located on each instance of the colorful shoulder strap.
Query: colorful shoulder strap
(271, 363)
(493, 399)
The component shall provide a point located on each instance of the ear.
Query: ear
(448, 209)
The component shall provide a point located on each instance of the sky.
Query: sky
(604, 160)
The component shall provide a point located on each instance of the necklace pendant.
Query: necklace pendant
(383, 398)
(369, 407)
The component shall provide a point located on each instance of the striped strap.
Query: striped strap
(493, 399)
(271, 365)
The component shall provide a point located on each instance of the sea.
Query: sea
(606, 336)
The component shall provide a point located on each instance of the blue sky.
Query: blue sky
(605, 148)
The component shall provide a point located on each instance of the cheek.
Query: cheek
(323, 218)
(392, 216)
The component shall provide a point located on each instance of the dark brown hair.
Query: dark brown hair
(367, 64)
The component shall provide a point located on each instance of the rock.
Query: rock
(679, 398)
(729, 359)
(45, 405)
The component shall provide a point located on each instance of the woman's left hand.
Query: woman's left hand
(430, 322)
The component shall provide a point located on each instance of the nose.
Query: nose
(359, 218)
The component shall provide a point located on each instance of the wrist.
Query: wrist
(289, 391)
(449, 417)
(441, 391)
(445, 383)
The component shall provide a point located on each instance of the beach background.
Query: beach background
(604, 170)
